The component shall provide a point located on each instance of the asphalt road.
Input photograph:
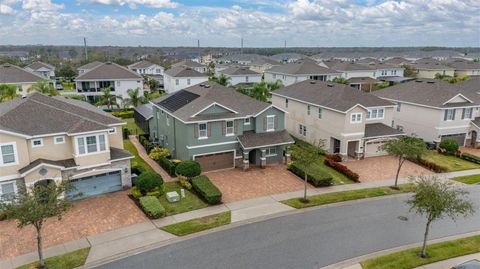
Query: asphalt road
(310, 239)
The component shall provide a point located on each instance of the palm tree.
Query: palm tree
(135, 98)
(260, 91)
(272, 86)
(107, 99)
(7, 92)
(222, 80)
(45, 87)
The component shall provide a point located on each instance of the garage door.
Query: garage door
(460, 138)
(216, 161)
(372, 149)
(95, 185)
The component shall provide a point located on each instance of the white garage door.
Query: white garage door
(372, 149)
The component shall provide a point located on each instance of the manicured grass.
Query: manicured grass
(67, 261)
(198, 225)
(335, 197)
(451, 162)
(68, 86)
(189, 203)
(136, 160)
(133, 127)
(409, 258)
(473, 179)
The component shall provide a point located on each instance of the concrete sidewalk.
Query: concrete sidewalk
(447, 264)
(127, 240)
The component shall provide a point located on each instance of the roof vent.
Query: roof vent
(201, 85)
(207, 86)
(312, 82)
(330, 85)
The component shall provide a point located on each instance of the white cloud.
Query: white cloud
(41, 5)
(133, 3)
(6, 10)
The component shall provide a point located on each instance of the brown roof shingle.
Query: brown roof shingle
(10, 73)
(109, 71)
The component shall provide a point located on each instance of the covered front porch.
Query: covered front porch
(262, 149)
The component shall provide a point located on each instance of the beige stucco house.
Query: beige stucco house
(435, 110)
(21, 78)
(45, 139)
(350, 122)
(429, 68)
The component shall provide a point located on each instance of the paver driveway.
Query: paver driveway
(87, 217)
(473, 151)
(384, 167)
(237, 185)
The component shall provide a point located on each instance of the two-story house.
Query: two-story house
(146, 68)
(107, 75)
(21, 78)
(464, 67)
(44, 139)
(180, 77)
(40, 68)
(350, 122)
(300, 70)
(429, 68)
(349, 69)
(435, 110)
(241, 75)
(201, 68)
(263, 64)
(219, 127)
(87, 67)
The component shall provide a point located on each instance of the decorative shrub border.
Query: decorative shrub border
(342, 169)
(317, 178)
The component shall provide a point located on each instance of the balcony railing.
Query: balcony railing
(94, 89)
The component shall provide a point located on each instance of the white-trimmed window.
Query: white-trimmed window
(286, 103)
(302, 129)
(177, 82)
(309, 109)
(467, 113)
(8, 154)
(37, 143)
(269, 152)
(247, 121)
(59, 140)
(7, 189)
(449, 115)
(188, 81)
(356, 118)
(112, 130)
(202, 130)
(229, 129)
(270, 123)
(319, 112)
(91, 144)
(375, 113)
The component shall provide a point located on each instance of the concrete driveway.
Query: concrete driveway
(237, 185)
(86, 217)
(384, 167)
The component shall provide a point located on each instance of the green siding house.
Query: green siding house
(219, 127)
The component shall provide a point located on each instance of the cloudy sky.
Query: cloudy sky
(261, 23)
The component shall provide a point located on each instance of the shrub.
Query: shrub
(207, 190)
(149, 181)
(316, 177)
(450, 146)
(429, 165)
(136, 193)
(342, 169)
(189, 169)
(158, 152)
(156, 193)
(470, 157)
(167, 165)
(152, 207)
(334, 157)
(137, 169)
(185, 183)
(126, 133)
(123, 114)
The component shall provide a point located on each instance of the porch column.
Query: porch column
(246, 162)
(287, 158)
(263, 159)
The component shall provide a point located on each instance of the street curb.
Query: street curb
(357, 260)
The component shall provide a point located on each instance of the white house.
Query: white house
(147, 68)
(241, 75)
(45, 70)
(178, 78)
(350, 69)
(385, 69)
(107, 75)
(192, 65)
(87, 67)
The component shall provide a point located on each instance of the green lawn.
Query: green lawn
(473, 179)
(335, 197)
(68, 86)
(408, 259)
(136, 160)
(133, 127)
(67, 261)
(198, 225)
(452, 163)
(189, 203)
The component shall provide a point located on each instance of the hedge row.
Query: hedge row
(123, 114)
(334, 157)
(145, 143)
(203, 186)
(152, 207)
(470, 157)
(429, 165)
(342, 169)
(316, 177)
(168, 166)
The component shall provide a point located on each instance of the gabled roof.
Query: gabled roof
(397, 61)
(38, 65)
(430, 64)
(464, 65)
(428, 92)
(237, 71)
(184, 72)
(190, 101)
(90, 65)
(10, 73)
(380, 65)
(109, 70)
(141, 64)
(265, 60)
(380, 130)
(347, 66)
(301, 67)
(38, 114)
(250, 140)
(339, 97)
(188, 63)
(145, 110)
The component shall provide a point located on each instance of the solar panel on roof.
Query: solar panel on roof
(178, 100)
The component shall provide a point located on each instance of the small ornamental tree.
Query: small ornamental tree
(158, 152)
(404, 148)
(149, 181)
(188, 169)
(450, 146)
(35, 207)
(436, 199)
(304, 157)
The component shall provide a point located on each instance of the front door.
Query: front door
(336, 146)
(474, 139)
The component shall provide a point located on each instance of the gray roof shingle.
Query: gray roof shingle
(183, 72)
(38, 65)
(380, 130)
(109, 71)
(301, 67)
(145, 110)
(10, 73)
(249, 140)
(141, 64)
(331, 95)
(90, 65)
(238, 71)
